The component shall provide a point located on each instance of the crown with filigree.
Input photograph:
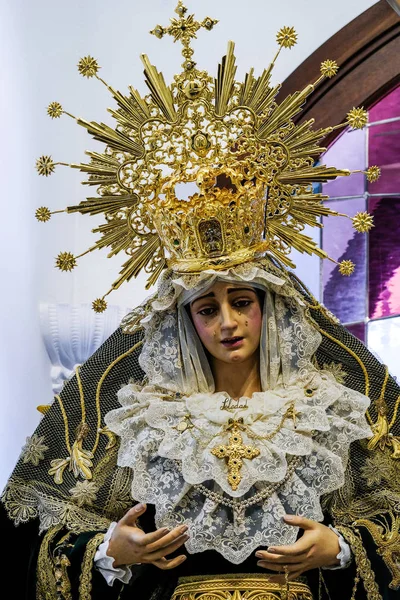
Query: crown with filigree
(251, 166)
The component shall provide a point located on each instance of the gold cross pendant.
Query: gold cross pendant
(235, 451)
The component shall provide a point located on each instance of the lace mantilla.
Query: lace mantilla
(166, 439)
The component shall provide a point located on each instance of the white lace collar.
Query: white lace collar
(167, 441)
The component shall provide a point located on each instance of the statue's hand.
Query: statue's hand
(130, 545)
(318, 547)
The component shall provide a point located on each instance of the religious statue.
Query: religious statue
(231, 440)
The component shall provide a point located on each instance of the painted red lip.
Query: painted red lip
(233, 342)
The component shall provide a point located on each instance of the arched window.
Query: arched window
(366, 51)
(368, 302)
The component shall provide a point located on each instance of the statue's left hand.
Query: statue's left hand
(318, 547)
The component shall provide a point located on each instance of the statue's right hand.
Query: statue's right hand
(130, 545)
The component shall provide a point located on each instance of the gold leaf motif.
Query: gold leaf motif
(81, 460)
(112, 439)
(58, 467)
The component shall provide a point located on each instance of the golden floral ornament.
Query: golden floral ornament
(363, 222)
(357, 118)
(88, 66)
(65, 261)
(337, 371)
(84, 493)
(54, 110)
(373, 173)
(45, 165)
(346, 267)
(329, 68)
(99, 305)
(286, 37)
(34, 449)
(43, 214)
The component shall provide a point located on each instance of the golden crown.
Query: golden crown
(251, 165)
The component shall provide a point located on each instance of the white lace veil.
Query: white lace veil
(174, 358)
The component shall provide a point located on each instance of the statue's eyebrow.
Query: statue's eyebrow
(230, 290)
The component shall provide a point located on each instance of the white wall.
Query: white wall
(41, 43)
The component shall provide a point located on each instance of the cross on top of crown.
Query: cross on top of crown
(183, 29)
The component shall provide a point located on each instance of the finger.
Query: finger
(297, 549)
(155, 543)
(133, 514)
(279, 568)
(143, 539)
(166, 564)
(298, 521)
(151, 556)
(280, 558)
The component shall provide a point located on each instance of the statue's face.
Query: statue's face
(228, 321)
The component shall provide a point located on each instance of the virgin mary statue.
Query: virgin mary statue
(231, 440)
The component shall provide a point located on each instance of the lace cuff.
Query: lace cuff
(344, 555)
(104, 563)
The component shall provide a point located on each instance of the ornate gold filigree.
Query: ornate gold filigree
(239, 587)
(387, 540)
(252, 165)
(363, 563)
(85, 579)
(235, 452)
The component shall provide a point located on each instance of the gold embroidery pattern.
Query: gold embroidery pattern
(85, 579)
(363, 563)
(387, 540)
(45, 583)
(238, 587)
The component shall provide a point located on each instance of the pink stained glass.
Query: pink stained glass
(384, 151)
(344, 296)
(347, 152)
(387, 108)
(384, 257)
